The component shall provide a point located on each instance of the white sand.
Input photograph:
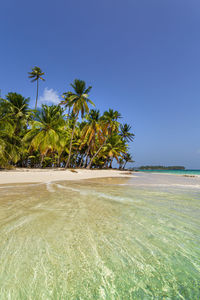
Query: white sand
(37, 175)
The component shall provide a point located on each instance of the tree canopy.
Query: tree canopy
(70, 134)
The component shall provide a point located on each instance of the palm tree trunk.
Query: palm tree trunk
(104, 165)
(86, 159)
(81, 161)
(42, 159)
(36, 95)
(70, 147)
(124, 165)
(111, 163)
(91, 160)
(68, 112)
(58, 161)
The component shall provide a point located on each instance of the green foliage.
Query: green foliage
(48, 132)
(36, 74)
(14, 115)
(53, 136)
(125, 132)
(77, 100)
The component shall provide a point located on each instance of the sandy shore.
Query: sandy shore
(36, 175)
(50, 175)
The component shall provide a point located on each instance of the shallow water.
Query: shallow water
(100, 239)
(183, 172)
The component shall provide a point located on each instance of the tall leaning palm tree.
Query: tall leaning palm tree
(36, 74)
(78, 100)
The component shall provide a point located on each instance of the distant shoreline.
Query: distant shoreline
(186, 172)
(171, 174)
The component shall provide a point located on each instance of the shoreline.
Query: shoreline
(173, 174)
(18, 176)
(32, 176)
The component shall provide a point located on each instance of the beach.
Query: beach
(98, 234)
(46, 175)
(23, 175)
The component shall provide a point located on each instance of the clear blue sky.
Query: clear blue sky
(142, 57)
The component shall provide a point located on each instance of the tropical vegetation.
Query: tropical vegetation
(161, 168)
(68, 135)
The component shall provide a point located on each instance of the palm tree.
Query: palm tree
(66, 103)
(36, 74)
(14, 116)
(78, 100)
(9, 149)
(128, 158)
(18, 110)
(110, 118)
(115, 147)
(120, 162)
(46, 133)
(91, 130)
(125, 132)
(109, 124)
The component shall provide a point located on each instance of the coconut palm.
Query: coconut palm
(109, 125)
(46, 133)
(127, 158)
(66, 102)
(90, 132)
(14, 115)
(120, 162)
(9, 149)
(110, 118)
(114, 148)
(5, 129)
(78, 100)
(125, 132)
(9, 141)
(17, 108)
(36, 74)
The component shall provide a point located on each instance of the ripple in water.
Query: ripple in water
(99, 240)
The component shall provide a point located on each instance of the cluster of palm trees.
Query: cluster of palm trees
(70, 134)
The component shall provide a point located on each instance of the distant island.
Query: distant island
(161, 168)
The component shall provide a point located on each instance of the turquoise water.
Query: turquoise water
(189, 172)
(109, 238)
